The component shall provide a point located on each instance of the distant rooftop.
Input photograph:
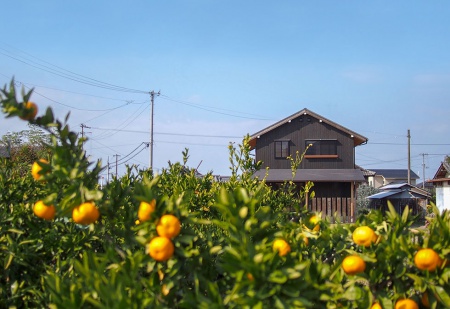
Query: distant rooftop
(395, 173)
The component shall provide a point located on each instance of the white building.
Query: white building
(441, 182)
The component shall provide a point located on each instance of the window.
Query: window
(281, 149)
(321, 148)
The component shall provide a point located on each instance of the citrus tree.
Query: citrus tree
(176, 240)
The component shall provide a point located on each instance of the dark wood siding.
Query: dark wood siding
(299, 130)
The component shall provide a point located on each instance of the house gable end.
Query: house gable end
(305, 113)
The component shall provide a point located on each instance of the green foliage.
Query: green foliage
(224, 256)
(362, 203)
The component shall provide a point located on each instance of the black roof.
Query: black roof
(395, 173)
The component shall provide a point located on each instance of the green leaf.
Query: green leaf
(442, 293)
(278, 277)
(8, 260)
(405, 214)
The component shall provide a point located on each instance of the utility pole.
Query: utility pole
(116, 163)
(409, 157)
(107, 170)
(82, 131)
(423, 169)
(152, 100)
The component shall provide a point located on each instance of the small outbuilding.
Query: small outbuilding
(400, 195)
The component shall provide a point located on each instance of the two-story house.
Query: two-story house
(329, 162)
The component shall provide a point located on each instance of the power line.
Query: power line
(81, 109)
(169, 133)
(194, 144)
(123, 125)
(132, 151)
(68, 91)
(412, 144)
(131, 157)
(59, 71)
(211, 109)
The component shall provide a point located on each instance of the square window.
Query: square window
(281, 149)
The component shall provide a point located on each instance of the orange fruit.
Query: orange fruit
(85, 214)
(364, 236)
(36, 168)
(376, 306)
(250, 277)
(406, 304)
(43, 211)
(427, 259)
(353, 264)
(161, 248)
(281, 246)
(314, 220)
(30, 111)
(168, 226)
(145, 210)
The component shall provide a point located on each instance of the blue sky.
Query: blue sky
(228, 68)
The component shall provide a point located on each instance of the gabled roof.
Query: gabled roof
(395, 173)
(400, 190)
(358, 139)
(442, 172)
(365, 172)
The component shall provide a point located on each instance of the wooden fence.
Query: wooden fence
(335, 208)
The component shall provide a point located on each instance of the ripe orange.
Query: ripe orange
(30, 111)
(168, 226)
(353, 264)
(161, 248)
(315, 220)
(145, 210)
(406, 304)
(376, 306)
(43, 211)
(85, 214)
(427, 259)
(36, 168)
(364, 236)
(281, 246)
(250, 277)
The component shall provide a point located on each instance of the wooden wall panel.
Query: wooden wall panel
(297, 132)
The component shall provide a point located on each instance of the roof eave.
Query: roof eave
(358, 138)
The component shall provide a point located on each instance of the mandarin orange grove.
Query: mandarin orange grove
(174, 240)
